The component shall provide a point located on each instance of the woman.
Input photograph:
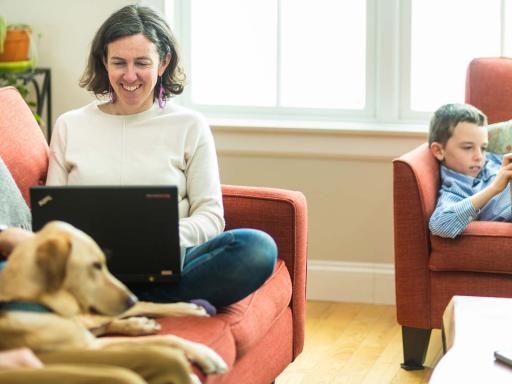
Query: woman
(138, 138)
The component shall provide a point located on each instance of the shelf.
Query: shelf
(40, 79)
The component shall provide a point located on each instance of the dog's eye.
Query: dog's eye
(97, 265)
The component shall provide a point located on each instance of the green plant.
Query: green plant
(3, 32)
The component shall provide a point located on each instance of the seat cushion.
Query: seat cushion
(210, 331)
(483, 247)
(252, 317)
(241, 325)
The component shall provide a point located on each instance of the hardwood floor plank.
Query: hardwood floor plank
(355, 343)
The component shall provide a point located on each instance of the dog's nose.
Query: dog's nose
(131, 300)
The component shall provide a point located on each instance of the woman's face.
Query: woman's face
(133, 67)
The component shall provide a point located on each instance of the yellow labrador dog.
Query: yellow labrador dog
(64, 270)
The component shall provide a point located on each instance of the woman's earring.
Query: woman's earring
(113, 96)
(161, 97)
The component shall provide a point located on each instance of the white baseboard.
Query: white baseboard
(351, 282)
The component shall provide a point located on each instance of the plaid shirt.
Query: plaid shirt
(454, 210)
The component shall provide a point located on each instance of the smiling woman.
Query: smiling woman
(134, 68)
(136, 138)
(134, 56)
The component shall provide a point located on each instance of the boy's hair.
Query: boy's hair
(446, 118)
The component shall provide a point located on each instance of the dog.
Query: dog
(62, 269)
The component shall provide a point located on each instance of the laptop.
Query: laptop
(136, 226)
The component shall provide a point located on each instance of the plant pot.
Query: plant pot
(16, 46)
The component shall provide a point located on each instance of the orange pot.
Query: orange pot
(16, 46)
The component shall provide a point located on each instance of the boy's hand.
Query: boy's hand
(499, 184)
(504, 175)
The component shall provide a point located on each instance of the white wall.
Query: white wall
(346, 177)
(66, 29)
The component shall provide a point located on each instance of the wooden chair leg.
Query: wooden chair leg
(443, 339)
(415, 344)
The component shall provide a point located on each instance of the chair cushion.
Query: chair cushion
(488, 87)
(241, 325)
(252, 317)
(500, 137)
(483, 247)
(210, 331)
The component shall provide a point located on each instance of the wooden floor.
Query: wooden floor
(355, 343)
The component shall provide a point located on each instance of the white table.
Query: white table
(474, 327)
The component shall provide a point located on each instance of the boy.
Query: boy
(473, 186)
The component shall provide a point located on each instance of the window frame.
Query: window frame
(388, 68)
(406, 113)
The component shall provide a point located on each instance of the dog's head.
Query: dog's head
(64, 269)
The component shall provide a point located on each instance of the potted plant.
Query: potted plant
(15, 58)
(14, 41)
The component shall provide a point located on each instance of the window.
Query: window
(373, 60)
(445, 36)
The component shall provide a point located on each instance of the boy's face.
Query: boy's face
(464, 152)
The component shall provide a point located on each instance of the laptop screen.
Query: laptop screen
(136, 226)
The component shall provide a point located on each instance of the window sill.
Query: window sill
(321, 140)
(319, 127)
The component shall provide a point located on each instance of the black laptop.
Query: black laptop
(136, 226)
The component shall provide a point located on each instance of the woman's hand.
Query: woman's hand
(11, 237)
(19, 358)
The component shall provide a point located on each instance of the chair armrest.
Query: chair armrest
(484, 247)
(488, 229)
(415, 185)
(283, 215)
(23, 146)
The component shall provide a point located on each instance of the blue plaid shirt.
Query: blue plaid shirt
(454, 211)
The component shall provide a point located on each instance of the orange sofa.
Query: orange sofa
(429, 270)
(258, 336)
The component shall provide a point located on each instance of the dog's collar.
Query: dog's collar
(23, 307)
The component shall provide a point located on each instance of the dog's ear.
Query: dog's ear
(51, 258)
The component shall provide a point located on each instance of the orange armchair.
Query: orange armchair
(259, 335)
(429, 270)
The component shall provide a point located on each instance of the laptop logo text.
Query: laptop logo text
(158, 195)
(45, 200)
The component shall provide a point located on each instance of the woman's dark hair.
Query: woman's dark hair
(128, 21)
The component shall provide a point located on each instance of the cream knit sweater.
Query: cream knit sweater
(170, 146)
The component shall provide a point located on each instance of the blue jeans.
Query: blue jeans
(223, 270)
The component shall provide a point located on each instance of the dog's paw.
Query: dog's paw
(190, 309)
(144, 325)
(137, 326)
(208, 360)
(157, 310)
(194, 379)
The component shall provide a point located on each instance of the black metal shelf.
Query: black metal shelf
(40, 78)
